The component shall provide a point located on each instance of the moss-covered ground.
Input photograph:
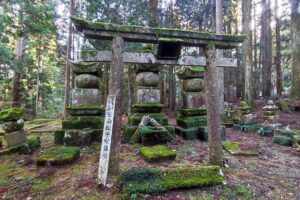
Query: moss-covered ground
(273, 174)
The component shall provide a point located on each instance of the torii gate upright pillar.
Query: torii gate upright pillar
(116, 85)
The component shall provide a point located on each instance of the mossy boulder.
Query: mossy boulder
(148, 79)
(83, 122)
(157, 153)
(28, 147)
(128, 132)
(193, 85)
(85, 111)
(11, 114)
(191, 72)
(87, 81)
(136, 118)
(13, 126)
(58, 155)
(282, 140)
(148, 107)
(154, 135)
(235, 148)
(193, 111)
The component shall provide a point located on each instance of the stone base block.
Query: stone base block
(15, 138)
(193, 99)
(85, 97)
(157, 153)
(83, 123)
(193, 111)
(190, 122)
(85, 111)
(154, 135)
(136, 118)
(148, 95)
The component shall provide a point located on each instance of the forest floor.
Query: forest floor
(273, 174)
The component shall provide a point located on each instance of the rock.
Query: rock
(11, 114)
(83, 122)
(77, 137)
(193, 99)
(13, 126)
(154, 135)
(15, 138)
(87, 81)
(296, 142)
(85, 111)
(148, 107)
(85, 97)
(191, 72)
(59, 155)
(148, 95)
(157, 153)
(193, 85)
(147, 79)
(147, 68)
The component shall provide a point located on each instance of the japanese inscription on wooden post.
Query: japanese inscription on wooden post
(106, 139)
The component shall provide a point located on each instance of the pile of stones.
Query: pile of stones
(192, 120)
(13, 126)
(148, 104)
(270, 109)
(86, 114)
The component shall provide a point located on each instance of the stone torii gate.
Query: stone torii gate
(169, 43)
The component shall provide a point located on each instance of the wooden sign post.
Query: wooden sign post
(106, 140)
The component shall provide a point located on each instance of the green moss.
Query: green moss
(170, 129)
(32, 143)
(11, 114)
(192, 177)
(193, 111)
(234, 148)
(39, 185)
(58, 155)
(154, 135)
(157, 153)
(170, 40)
(83, 122)
(128, 132)
(282, 140)
(239, 191)
(284, 107)
(136, 118)
(191, 72)
(148, 107)
(192, 121)
(188, 134)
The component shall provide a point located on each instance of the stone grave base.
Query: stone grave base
(29, 146)
(76, 137)
(157, 153)
(236, 148)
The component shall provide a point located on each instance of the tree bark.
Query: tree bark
(266, 48)
(38, 80)
(255, 64)
(116, 85)
(278, 52)
(212, 103)
(295, 17)
(247, 50)
(153, 14)
(68, 69)
(20, 51)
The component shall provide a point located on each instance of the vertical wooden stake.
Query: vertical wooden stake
(116, 85)
(212, 103)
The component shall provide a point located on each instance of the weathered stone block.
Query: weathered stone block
(157, 153)
(86, 68)
(136, 118)
(128, 132)
(85, 97)
(148, 107)
(59, 137)
(190, 122)
(83, 122)
(15, 138)
(193, 85)
(85, 111)
(87, 81)
(154, 135)
(188, 134)
(147, 68)
(148, 95)
(77, 138)
(193, 111)
(191, 72)
(193, 99)
(147, 79)
(13, 126)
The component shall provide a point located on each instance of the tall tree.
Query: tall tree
(247, 50)
(68, 70)
(278, 51)
(266, 48)
(295, 18)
